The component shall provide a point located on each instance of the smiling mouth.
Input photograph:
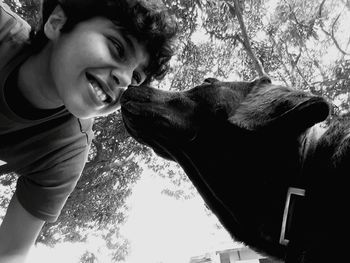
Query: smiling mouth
(98, 89)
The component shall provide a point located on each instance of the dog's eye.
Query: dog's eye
(176, 102)
(210, 80)
(221, 113)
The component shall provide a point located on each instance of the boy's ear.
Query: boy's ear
(54, 23)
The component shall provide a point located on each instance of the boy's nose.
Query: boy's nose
(121, 78)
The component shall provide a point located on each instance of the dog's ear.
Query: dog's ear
(279, 108)
(262, 80)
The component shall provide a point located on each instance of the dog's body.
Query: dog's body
(244, 145)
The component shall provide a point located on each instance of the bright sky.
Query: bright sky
(160, 228)
(163, 229)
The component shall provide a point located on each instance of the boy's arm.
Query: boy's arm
(19, 229)
(18, 233)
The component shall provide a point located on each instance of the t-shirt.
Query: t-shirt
(46, 148)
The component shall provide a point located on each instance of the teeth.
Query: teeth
(98, 91)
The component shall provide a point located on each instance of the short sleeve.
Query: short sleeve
(44, 192)
(49, 159)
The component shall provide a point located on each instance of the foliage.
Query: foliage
(27, 9)
(297, 42)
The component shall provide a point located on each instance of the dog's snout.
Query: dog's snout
(124, 98)
(136, 94)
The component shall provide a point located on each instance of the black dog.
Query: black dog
(275, 179)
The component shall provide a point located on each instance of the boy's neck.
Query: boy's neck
(35, 81)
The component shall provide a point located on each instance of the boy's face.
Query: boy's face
(93, 64)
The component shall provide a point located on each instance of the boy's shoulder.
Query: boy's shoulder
(14, 31)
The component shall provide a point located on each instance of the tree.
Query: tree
(27, 9)
(300, 43)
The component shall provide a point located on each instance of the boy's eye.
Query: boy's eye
(137, 78)
(117, 47)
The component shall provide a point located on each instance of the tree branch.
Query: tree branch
(281, 56)
(331, 35)
(236, 11)
(316, 64)
(283, 79)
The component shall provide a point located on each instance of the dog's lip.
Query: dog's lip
(135, 94)
(146, 133)
(164, 148)
(130, 110)
(146, 137)
(124, 98)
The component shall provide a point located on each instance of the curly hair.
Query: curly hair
(146, 20)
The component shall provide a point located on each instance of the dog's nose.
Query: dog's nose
(140, 94)
(131, 93)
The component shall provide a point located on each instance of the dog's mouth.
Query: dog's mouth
(141, 129)
(147, 125)
(163, 141)
(165, 150)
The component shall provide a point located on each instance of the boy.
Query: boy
(52, 85)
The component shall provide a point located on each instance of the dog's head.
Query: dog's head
(237, 141)
(152, 116)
